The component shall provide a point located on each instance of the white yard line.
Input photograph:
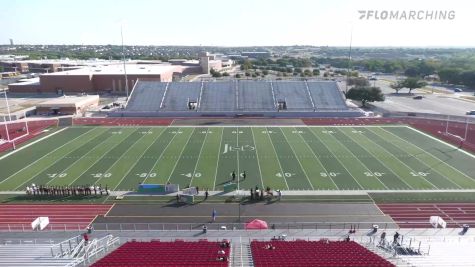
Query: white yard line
(181, 153)
(316, 157)
(419, 160)
(382, 163)
(237, 157)
(199, 155)
(362, 164)
(103, 157)
(297, 157)
(430, 155)
(400, 161)
(136, 161)
(57, 161)
(92, 150)
(337, 159)
(441, 141)
(32, 143)
(219, 157)
(257, 155)
(70, 141)
(161, 153)
(277, 158)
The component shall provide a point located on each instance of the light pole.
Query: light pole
(125, 70)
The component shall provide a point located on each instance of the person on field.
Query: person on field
(206, 194)
(233, 175)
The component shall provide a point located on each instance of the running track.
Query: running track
(18, 217)
(417, 215)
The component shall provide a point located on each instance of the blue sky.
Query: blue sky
(231, 22)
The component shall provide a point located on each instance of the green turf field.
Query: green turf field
(296, 158)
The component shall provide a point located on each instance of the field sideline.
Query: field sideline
(295, 158)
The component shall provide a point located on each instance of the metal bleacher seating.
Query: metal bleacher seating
(236, 96)
(30, 255)
(294, 93)
(256, 95)
(326, 95)
(178, 95)
(146, 96)
(218, 96)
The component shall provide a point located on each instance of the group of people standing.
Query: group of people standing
(47, 190)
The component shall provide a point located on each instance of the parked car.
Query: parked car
(418, 97)
(471, 112)
(458, 90)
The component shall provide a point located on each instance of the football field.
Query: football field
(289, 158)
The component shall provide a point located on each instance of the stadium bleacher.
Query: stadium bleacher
(178, 94)
(256, 96)
(218, 96)
(146, 96)
(30, 255)
(295, 95)
(156, 253)
(314, 253)
(236, 96)
(326, 95)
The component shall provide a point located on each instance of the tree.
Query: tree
(397, 86)
(413, 83)
(225, 74)
(307, 72)
(316, 72)
(358, 81)
(247, 64)
(237, 76)
(247, 74)
(215, 73)
(265, 72)
(365, 94)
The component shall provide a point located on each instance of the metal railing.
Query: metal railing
(216, 226)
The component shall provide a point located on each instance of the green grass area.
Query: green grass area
(288, 158)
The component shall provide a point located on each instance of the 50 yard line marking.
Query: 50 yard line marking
(34, 162)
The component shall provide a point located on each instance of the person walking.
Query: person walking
(214, 215)
(206, 194)
(233, 175)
